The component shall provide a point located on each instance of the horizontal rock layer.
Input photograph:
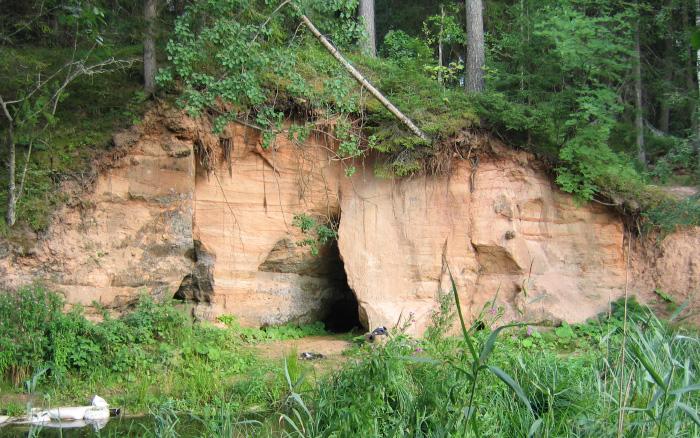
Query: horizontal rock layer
(178, 211)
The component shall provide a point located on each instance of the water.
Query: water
(115, 427)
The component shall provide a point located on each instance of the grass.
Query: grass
(492, 381)
(569, 377)
(138, 361)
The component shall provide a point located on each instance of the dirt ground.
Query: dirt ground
(331, 347)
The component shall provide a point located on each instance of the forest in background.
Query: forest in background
(605, 91)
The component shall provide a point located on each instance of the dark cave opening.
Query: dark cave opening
(343, 311)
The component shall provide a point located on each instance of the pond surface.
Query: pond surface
(115, 427)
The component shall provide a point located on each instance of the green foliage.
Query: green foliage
(567, 384)
(272, 333)
(318, 234)
(222, 56)
(403, 48)
(570, 105)
(69, 342)
(532, 382)
(676, 156)
(151, 353)
(668, 214)
(25, 336)
(664, 296)
(91, 110)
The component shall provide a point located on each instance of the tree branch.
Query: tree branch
(20, 190)
(362, 81)
(5, 111)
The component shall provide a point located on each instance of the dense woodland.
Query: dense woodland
(604, 91)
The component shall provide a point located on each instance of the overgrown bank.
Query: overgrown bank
(572, 117)
(585, 380)
(250, 61)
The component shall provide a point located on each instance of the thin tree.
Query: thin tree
(667, 81)
(638, 109)
(474, 69)
(11, 215)
(33, 112)
(440, 40)
(367, 16)
(362, 80)
(149, 46)
(697, 100)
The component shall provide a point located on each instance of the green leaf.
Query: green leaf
(465, 332)
(663, 295)
(564, 331)
(214, 354)
(536, 425)
(686, 389)
(680, 309)
(695, 39)
(692, 413)
(648, 366)
(468, 412)
(491, 342)
(508, 380)
(418, 359)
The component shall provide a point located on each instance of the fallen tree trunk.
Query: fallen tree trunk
(362, 81)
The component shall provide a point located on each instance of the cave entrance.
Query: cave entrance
(343, 311)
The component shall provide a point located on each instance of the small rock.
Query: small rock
(376, 334)
(307, 355)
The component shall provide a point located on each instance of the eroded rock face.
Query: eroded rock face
(209, 218)
(130, 235)
(503, 229)
(245, 217)
(671, 266)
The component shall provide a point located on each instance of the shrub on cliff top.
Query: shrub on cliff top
(223, 59)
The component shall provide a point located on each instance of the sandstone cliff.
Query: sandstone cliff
(179, 211)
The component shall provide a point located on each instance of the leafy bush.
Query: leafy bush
(317, 234)
(668, 214)
(35, 333)
(403, 48)
(25, 330)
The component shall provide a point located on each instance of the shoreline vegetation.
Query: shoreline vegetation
(493, 380)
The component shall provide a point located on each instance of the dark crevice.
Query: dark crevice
(342, 315)
(199, 285)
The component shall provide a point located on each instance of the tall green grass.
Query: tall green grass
(491, 381)
(546, 383)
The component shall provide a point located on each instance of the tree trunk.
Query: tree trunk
(362, 81)
(638, 110)
(474, 69)
(11, 216)
(367, 15)
(665, 108)
(690, 72)
(149, 47)
(697, 97)
(179, 7)
(440, 38)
